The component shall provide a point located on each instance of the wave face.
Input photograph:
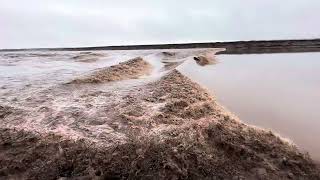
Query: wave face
(156, 124)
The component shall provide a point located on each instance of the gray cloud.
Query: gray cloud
(58, 23)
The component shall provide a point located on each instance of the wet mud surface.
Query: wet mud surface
(137, 126)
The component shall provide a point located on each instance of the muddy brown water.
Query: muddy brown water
(273, 91)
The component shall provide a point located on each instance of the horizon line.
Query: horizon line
(161, 45)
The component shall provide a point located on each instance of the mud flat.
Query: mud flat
(159, 127)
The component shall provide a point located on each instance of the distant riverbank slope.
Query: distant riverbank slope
(235, 47)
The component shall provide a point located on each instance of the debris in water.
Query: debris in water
(206, 59)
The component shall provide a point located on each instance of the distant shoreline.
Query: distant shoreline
(234, 47)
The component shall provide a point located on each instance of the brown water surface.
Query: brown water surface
(273, 91)
(280, 92)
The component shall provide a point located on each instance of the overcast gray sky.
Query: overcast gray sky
(66, 23)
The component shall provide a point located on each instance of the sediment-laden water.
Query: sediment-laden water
(129, 114)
